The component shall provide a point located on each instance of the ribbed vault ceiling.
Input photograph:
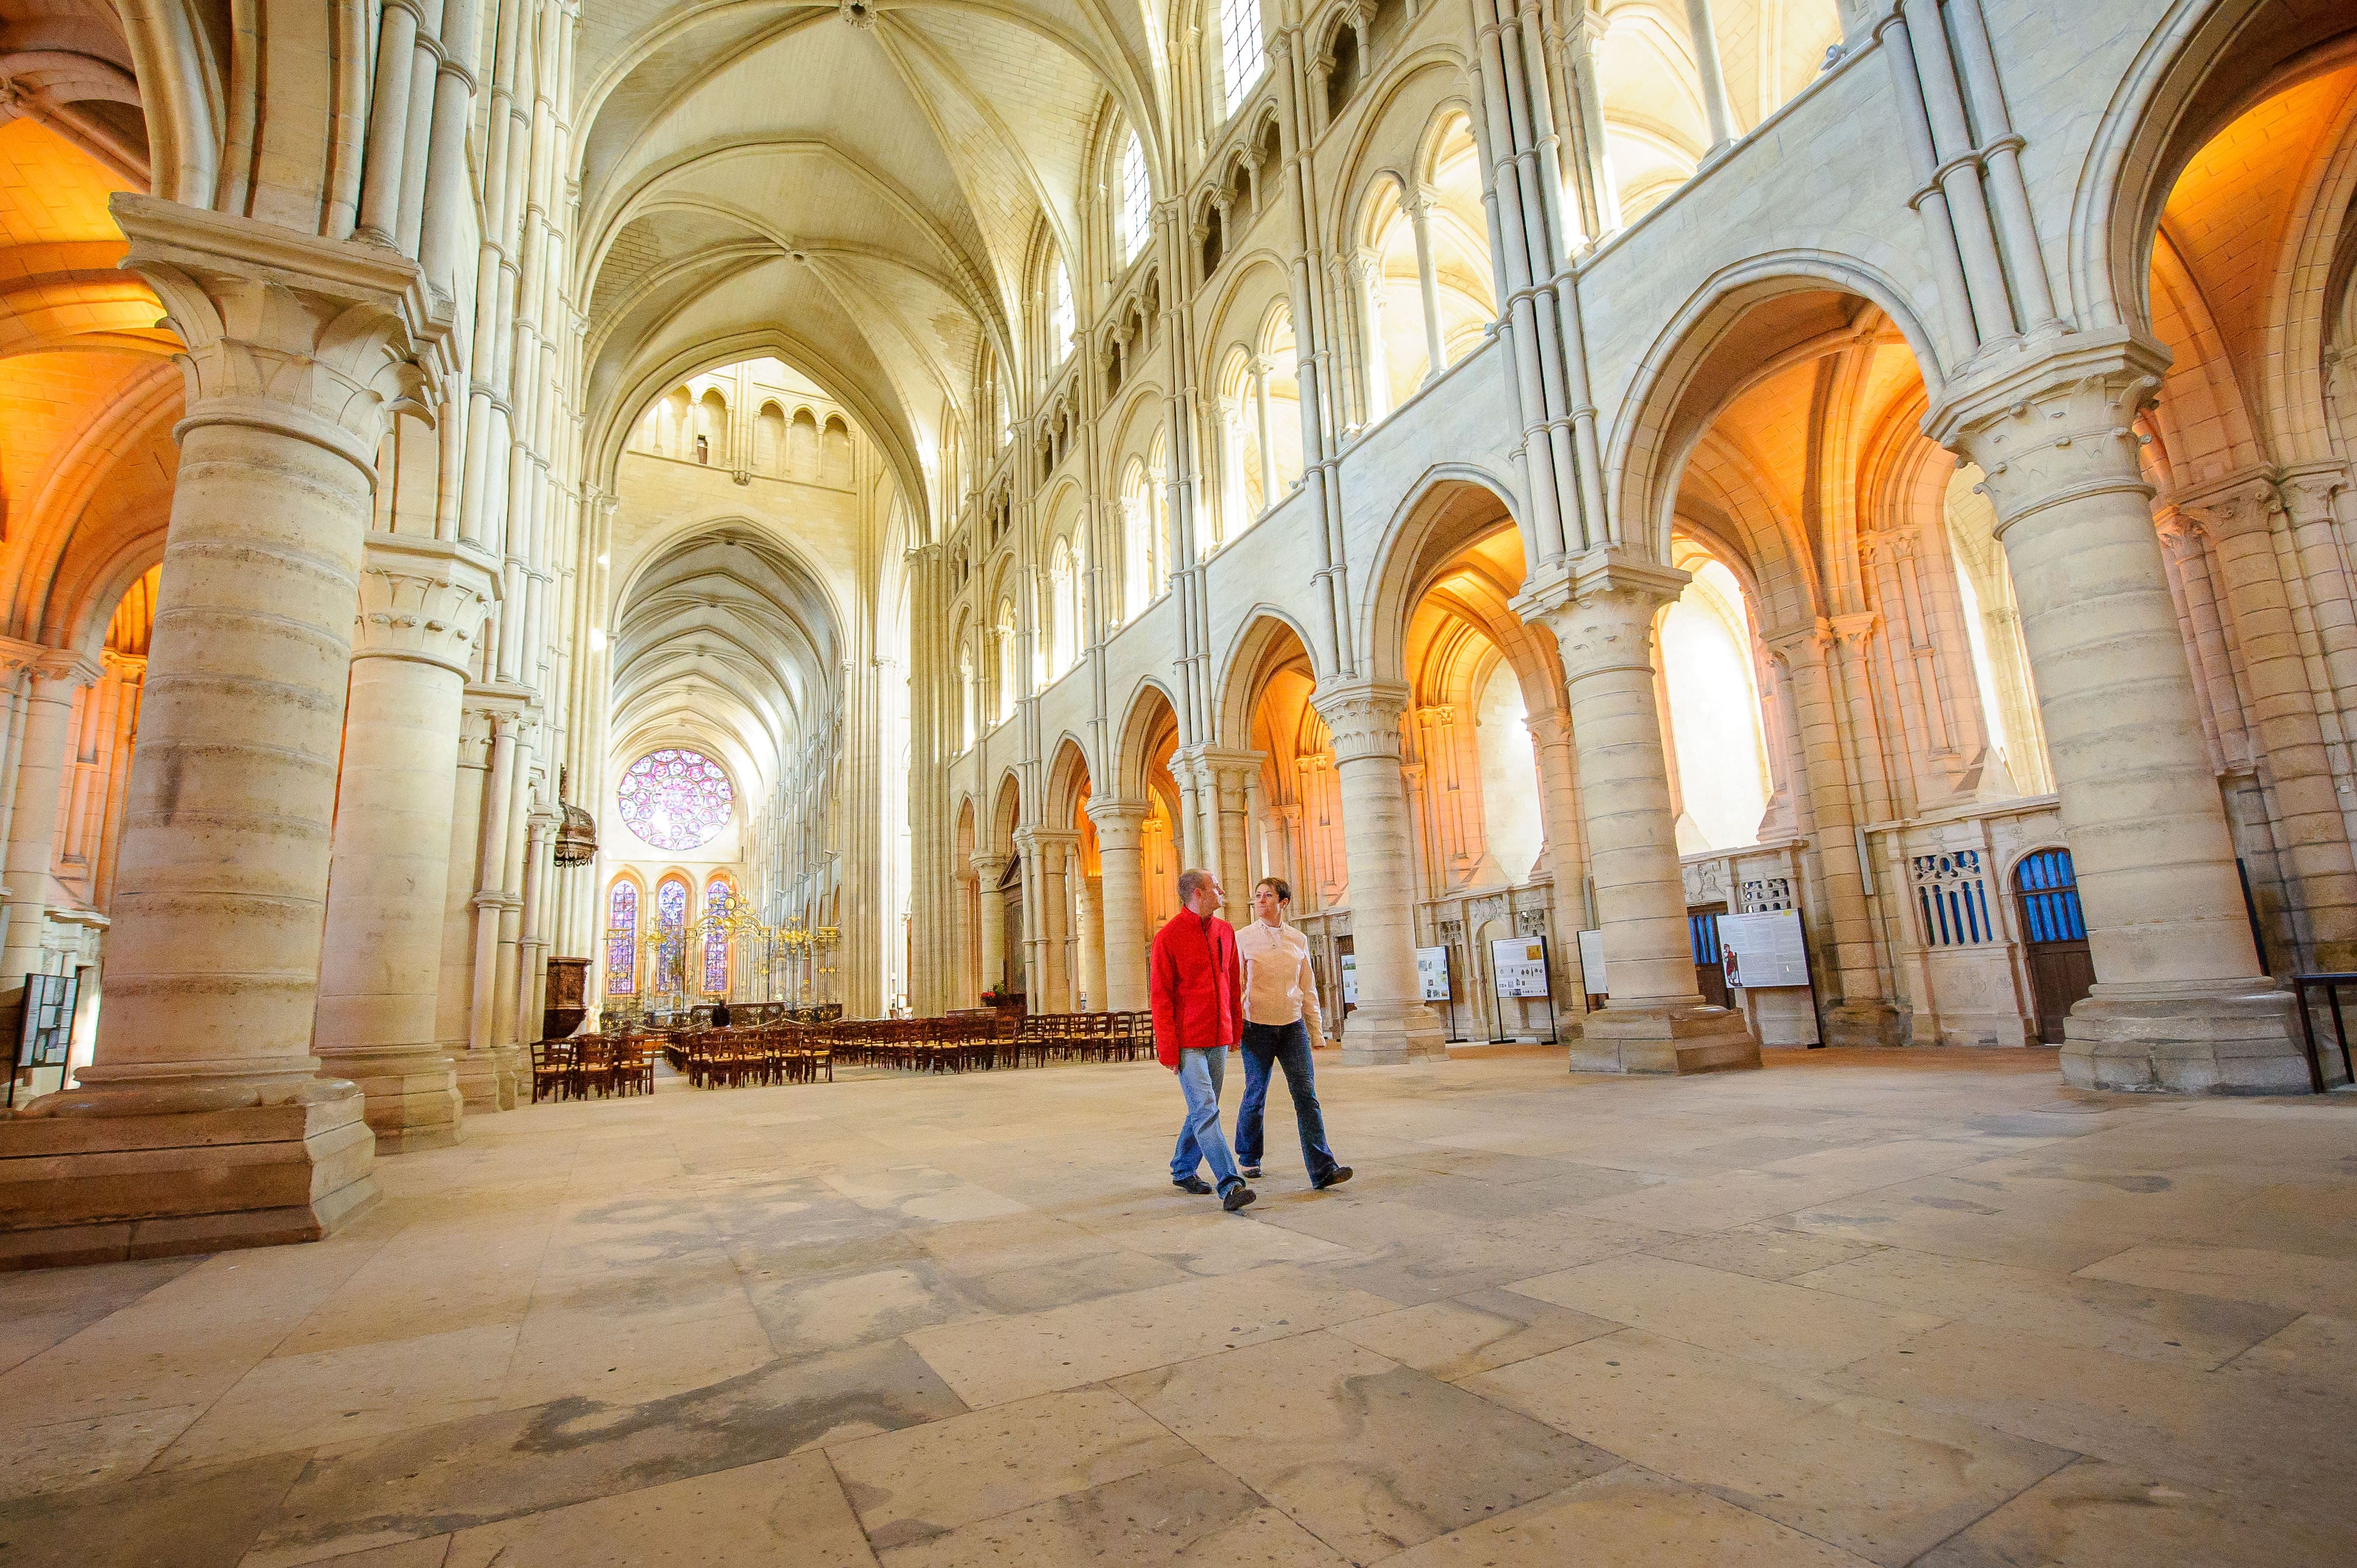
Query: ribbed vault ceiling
(859, 187)
(727, 642)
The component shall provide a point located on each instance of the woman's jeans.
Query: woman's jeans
(1201, 1074)
(1286, 1045)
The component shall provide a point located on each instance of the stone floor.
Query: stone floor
(1923, 1307)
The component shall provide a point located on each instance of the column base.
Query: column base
(78, 1185)
(2213, 1042)
(412, 1096)
(1875, 1023)
(487, 1079)
(1664, 1040)
(1389, 1034)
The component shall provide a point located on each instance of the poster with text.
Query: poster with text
(1432, 973)
(1520, 964)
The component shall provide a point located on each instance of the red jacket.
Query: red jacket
(1198, 986)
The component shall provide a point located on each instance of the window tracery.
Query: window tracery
(675, 798)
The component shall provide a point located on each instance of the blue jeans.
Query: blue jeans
(1286, 1045)
(1201, 1074)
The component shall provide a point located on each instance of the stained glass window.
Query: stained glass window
(671, 919)
(675, 799)
(622, 940)
(718, 896)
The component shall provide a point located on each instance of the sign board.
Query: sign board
(1763, 950)
(1591, 964)
(1432, 973)
(1520, 964)
(1350, 980)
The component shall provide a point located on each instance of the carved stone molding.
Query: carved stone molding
(1363, 717)
(2047, 429)
(316, 338)
(1603, 610)
(422, 600)
(1120, 824)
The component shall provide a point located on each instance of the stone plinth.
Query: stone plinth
(1662, 1041)
(2211, 1042)
(88, 1188)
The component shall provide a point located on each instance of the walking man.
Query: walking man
(1281, 1027)
(1198, 987)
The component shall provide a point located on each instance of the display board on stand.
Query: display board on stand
(1765, 950)
(1518, 968)
(1431, 983)
(1591, 964)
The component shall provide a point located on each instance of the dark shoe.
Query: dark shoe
(1238, 1194)
(1193, 1184)
(1250, 1172)
(1334, 1178)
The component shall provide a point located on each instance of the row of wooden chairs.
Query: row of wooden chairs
(771, 1053)
(806, 1048)
(586, 1064)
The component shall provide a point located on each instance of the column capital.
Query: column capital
(315, 339)
(2052, 423)
(50, 666)
(424, 600)
(1601, 606)
(2242, 503)
(989, 867)
(1363, 716)
(1119, 823)
(2309, 488)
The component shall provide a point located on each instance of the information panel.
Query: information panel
(1764, 950)
(1432, 973)
(1350, 980)
(1591, 964)
(1520, 964)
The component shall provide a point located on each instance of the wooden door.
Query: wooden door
(2054, 932)
(1710, 965)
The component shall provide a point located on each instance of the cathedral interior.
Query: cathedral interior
(1777, 578)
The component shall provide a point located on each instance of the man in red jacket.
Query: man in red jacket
(1199, 1012)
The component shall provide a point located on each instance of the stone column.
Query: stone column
(423, 604)
(1603, 615)
(1232, 773)
(1088, 909)
(1052, 853)
(2179, 1001)
(1566, 859)
(1436, 355)
(2311, 831)
(1852, 1010)
(202, 1121)
(479, 1069)
(1121, 831)
(1705, 34)
(987, 870)
(52, 677)
(1391, 1023)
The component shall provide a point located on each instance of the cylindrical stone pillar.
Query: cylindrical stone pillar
(991, 909)
(1088, 905)
(1566, 857)
(1121, 831)
(422, 608)
(2179, 1000)
(1389, 1024)
(213, 961)
(1051, 852)
(51, 683)
(1655, 1020)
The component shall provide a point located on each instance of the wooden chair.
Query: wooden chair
(552, 1069)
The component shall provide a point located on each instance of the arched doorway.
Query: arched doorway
(2054, 937)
